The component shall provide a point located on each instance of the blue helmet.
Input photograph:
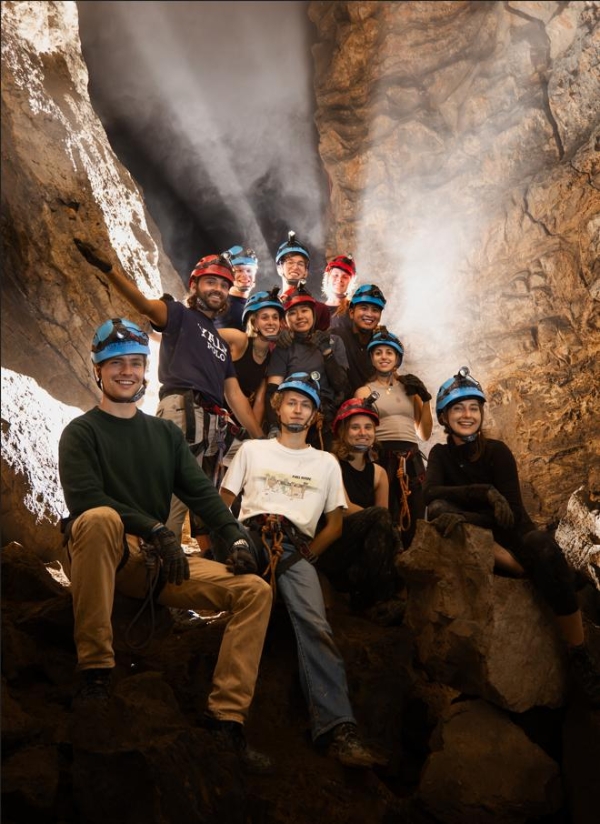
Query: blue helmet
(117, 337)
(368, 293)
(292, 246)
(242, 257)
(305, 382)
(384, 338)
(460, 387)
(262, 300)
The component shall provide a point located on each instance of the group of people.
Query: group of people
(295, 417)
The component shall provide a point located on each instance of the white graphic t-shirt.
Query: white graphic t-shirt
(300, 484)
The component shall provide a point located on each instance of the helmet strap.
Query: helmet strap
(139, 394)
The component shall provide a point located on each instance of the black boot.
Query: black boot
(230, 736)
(94, 690)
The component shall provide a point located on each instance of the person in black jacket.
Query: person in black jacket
(474, 479)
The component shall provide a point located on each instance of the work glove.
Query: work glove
(503, 514)
(92, 256)
(175, 567)
(285, 339)
(447, 522)
(415, 386)
(322, 341)
(241, 559)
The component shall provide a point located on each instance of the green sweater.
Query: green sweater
(134, 465)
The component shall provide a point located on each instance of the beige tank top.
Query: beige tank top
(396, 413)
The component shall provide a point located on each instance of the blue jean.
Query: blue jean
(322, 671)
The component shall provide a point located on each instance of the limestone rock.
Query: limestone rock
(484, 769)
(477, 632)
(578, 535)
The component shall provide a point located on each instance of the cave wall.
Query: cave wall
(461, 143)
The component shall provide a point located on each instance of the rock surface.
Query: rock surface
(578, 535)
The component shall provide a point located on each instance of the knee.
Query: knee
(437, 507)
(257, 589)
(102, 525)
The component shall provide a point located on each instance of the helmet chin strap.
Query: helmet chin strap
(139, 394)
(268, 338)
(465, 438)
(295, 427)
(360, 447)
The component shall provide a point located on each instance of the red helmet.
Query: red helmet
(356, 406)
(216, 265)
(299, 294)
(343, 262)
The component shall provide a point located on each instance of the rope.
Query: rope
(404, 519)
(152, 577)
(271, 528)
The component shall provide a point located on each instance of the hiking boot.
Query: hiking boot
(347, 747)
(94, 691)
(230, 735)
(584, 674)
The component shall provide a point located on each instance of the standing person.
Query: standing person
(405, 412)
(293, 263)
(364, 313)
(286, 486)
(362, 560)
(118, 469)
(303, 348)
(474, 479)
(251, 349)
(339, 278)
(195, 367)
(245, 268)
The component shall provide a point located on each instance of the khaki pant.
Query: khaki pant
(95, 549)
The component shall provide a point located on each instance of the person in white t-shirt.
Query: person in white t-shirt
(286, 486)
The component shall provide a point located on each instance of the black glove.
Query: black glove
(447, 522)
(415, 386)
(92, 256)
(241, 559)
(285, 339)
(175, 567)
(503, 514)
(322, 341)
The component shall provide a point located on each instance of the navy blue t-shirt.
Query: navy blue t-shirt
(193, 355)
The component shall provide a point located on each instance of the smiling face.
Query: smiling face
(384, 359)
(295, 409)
(359, 432)
(213, 291)
(267, 322)
(464, 419)
(293, 268)
(364, 316)
(244, 277)
(122, 376)
(300, 318)
(336, 283)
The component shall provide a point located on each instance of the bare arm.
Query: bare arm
(423, 418)
(227, 497)
(154, 310)
(240, 406)
(362, 392)
(258, 407)
(237, 341)
(330, 532)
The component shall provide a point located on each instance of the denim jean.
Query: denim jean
(322, 671)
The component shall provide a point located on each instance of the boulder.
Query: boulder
(578, 535)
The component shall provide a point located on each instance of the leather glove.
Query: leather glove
(175, 566)
(285, 339)
(322, 341)
(241, 559)
(447, 522)
(415, 386)
(92, 256)
(503, 514)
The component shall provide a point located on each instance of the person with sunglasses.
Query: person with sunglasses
(195, 368)
(286, 486)
(473, 479)
(118, 469)
(245, 268)
(356, 331)
(362, 561)
(405, 414)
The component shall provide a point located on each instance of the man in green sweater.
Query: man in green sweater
(119, 468)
